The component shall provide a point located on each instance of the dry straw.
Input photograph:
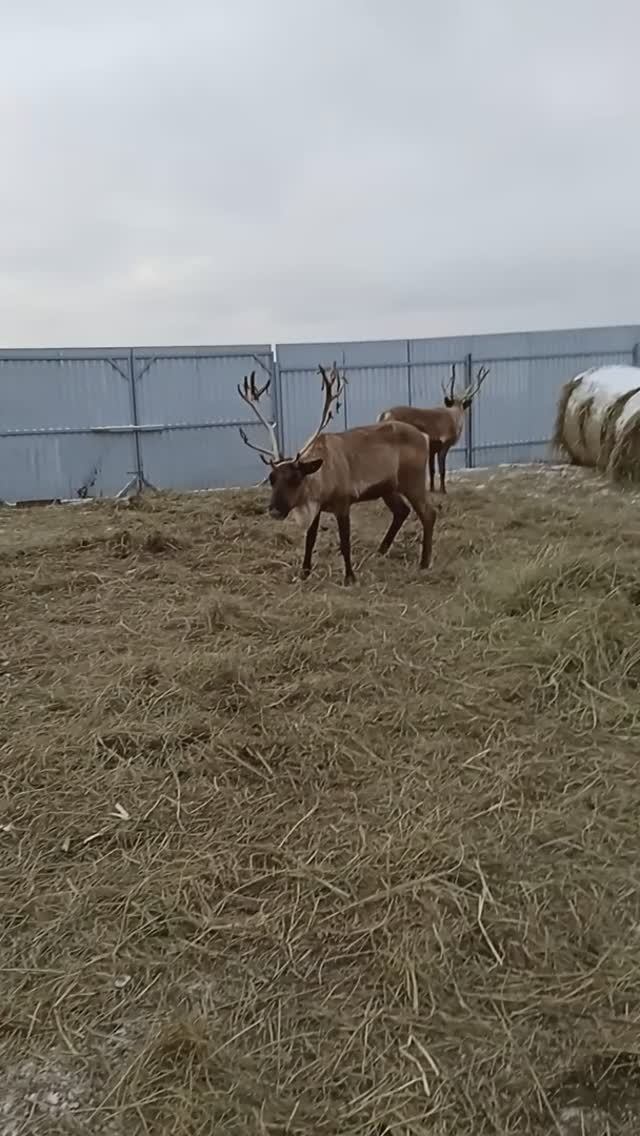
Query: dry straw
(558, 444)
(296, 859)
(624, 464)
(583, 418)
(608, 429)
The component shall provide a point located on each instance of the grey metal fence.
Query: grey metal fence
(513, 419)
(65, 424)
(98, 423)
(188, 411)
(510, 421)
(77, 423)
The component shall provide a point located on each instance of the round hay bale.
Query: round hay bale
(595, 410)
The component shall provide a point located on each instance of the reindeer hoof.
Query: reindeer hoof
(348, 580)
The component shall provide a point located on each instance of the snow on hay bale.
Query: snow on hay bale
(598, 421)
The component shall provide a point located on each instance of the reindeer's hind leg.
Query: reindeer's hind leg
(427, 516)
(400, 510)
(344, 531)
(442, 462)
(432, 469)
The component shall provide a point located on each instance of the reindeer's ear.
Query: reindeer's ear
(309, 467)
(467, 403)
(448, 401)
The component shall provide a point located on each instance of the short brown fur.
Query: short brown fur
(332, 472)
(443, 425)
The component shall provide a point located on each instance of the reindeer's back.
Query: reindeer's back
(438, 422)
(398, 414)
(382, 450)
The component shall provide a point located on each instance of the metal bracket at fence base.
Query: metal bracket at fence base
(135, 485)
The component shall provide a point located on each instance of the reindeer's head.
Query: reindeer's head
(464, 398)
(288, 485)
(288, 476)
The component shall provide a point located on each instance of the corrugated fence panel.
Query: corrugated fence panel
(355, 353)
(191, 397)
(377, 377)
(373, 389)
(514, 414)
(591, 341)
(63, 393)
(300, 408)
(49, 466)
(203, 458)
(183, 386)
(436, 351)
(56, 411)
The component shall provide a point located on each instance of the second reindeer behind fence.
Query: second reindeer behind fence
(442, 424)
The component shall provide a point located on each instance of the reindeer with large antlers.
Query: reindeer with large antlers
(442, 424)
(332, 472)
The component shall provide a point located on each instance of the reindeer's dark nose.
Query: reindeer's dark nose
(276, 514)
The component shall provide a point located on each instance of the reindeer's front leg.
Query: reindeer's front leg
(309, 544)
(344, 530)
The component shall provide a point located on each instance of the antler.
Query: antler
(452, 383)
(472, 390)
(333, 386)
(251, 394)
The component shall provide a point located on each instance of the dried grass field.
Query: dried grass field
(283, 858)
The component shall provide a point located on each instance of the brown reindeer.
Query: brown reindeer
(442, 424)
(332, 472)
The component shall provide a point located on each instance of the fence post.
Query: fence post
(277, 398)
(409, 384)
(469, 423)
(345, 393)
(138, 478)
(635, 356)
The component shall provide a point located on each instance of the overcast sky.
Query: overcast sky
(218, 171)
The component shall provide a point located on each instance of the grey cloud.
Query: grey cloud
(250, 170)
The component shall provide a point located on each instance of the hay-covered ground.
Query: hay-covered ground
(294, 858)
